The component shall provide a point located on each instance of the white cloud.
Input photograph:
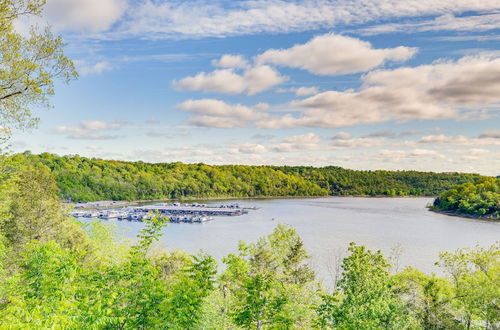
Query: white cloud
(483, 139)
(86, 15)
(493, 134)
(216, 113)
(252, 81)
(331, 54)
(425, 153)
(90, 130)
(86, 69)
(299, 91)
(231, 61)
(248, 148)
(309, 141)
(481, 22)
(410, 155)
(155, 19)
(345, 140)
(304, 91)
(94, 148)
(437, 91)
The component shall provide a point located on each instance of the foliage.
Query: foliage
(365, 297)
(29, 65)
(475, 278)
(269, 285)
(84, 179)
(481, 199)
(54, 274)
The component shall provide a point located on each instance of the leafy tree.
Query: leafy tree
(32, 211)
(430, 299)
(365, 297)
(29, 65)
(480, 199)
(182, 308)
(475, 276)
(268, 284)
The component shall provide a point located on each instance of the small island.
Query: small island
(477, 200)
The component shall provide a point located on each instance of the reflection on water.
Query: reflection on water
(327, 225)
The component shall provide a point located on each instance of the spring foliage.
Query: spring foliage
(58, 273)
(481, 199)
(83, 179)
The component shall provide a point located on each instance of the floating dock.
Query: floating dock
(176, 212)
(191, 210)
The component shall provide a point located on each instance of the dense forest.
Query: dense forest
(85, 179)
(60, 274)
(480, 199)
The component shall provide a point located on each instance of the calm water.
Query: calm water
(327, 225)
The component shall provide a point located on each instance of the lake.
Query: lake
(401, 227)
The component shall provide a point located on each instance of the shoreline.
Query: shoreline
(463, 215)
(229, 198)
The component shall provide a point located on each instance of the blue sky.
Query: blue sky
(359, 84)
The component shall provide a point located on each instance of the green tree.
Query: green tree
(29, 65)
(475, 276)
(365, 297)
(269, 285)
(430, 299)
(33, 211)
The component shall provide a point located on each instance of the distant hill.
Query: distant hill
(85, 179)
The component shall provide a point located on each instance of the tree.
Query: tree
(430, 299)
(268, 284)
(34, 212)
(365, 297)
(475, 276)
(29, 65)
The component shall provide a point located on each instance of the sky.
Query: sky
(362, 84)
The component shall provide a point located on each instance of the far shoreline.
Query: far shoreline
(232, 198)
(463, 215)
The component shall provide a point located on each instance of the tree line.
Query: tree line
(58, 273)
(90, 179)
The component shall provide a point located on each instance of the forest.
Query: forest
(61, 274)
(479, 199)
(89, 179)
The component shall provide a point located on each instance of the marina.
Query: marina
(177, 212)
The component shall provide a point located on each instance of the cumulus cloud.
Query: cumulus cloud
(331, 54)
(436, 91)
(231, 61)
(309, 141)
(164, 19)
(251, 81)
(86, 69)
(216, 113)
(90, 130)
(248, 148)
(86, 15)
